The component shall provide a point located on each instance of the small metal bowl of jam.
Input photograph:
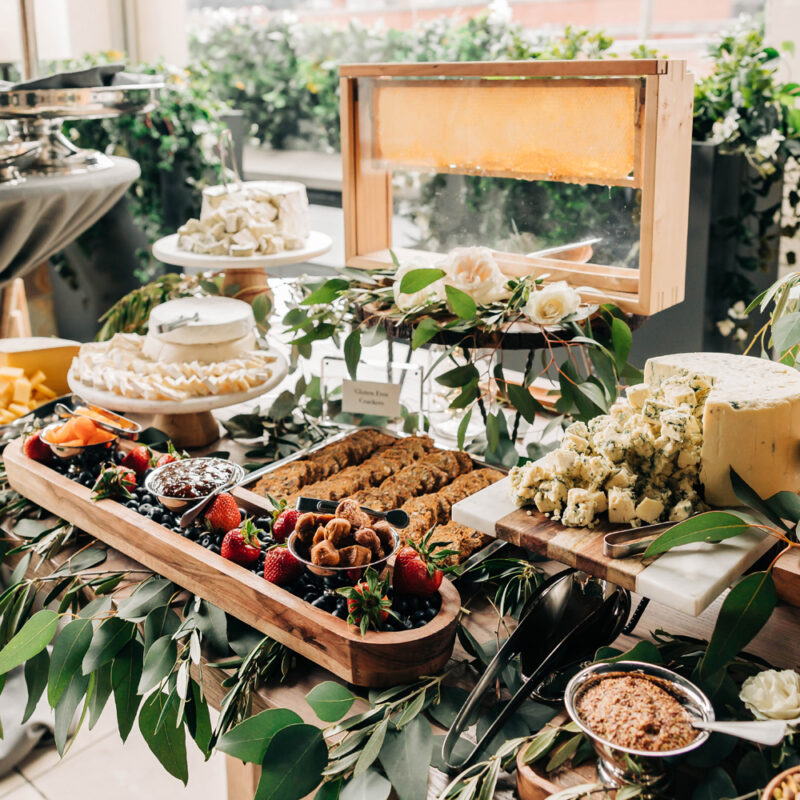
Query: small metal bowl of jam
(181, 484)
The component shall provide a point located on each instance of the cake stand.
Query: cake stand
(249, 273)
(188, 423)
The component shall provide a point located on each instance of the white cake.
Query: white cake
(254, 217)
(667, 448)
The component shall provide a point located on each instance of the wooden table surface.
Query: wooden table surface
(777, 643)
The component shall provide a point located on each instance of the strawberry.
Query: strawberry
(418, 569)
(35, 448)
(114, 482)
(367, 603)
(241, 544)
(281, 567)
(139, 460)
(223, 514)
(171, 455)
(284, 524)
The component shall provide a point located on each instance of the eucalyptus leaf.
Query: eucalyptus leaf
(786, 505)
(751, 498)
(126, 670)
(330, 790)
(100, 693)
(743, 614)
(712, 526)
(36, 670)
(166, 741)
(161, 621)
(786, 331)
(84, 559)
(406, 756)
(523, 401)
(461, 434)
(68, 702)
(416, 280)
(370, 785)
(564, 752)
(459, 376)
(213, 623)
(68, 651)
(372, 748)
(641, 651)
(326, 293)
(293, 763)
(460, 303)
(109, 638)
(352, 352)
(153, 592)
(159, 662)
(32, 638)
(424, 331)
(248, 741)
(198, 719)
(330, 700)
(622, 339)
(28, 528)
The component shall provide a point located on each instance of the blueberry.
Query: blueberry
(205, 539)
(414, 603)
(418, 618)
(400, 605)
(406, 624)
(309, 597)
(146, 509)
(340, 612)
(157, 515)
(131, 504)
(149, 498)
(325, 602)
(215, 548)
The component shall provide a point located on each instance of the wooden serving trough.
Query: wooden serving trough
(374, 660)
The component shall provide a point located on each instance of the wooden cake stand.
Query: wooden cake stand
(249, 273)
(189, 423)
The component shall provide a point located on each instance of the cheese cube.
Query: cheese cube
(37, 378)
(45, 391)
(620, 505)
(22, 390)
(638, 394)
(649, 510)
(18, 409)
(11, 372)
(6, 392)
(680, 511)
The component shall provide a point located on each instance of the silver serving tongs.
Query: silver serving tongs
(107, 420)
(569, 617)
(631, 541)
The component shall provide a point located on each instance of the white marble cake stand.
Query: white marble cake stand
(249, 273)
(189, 423)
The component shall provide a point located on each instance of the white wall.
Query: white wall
(147, 29)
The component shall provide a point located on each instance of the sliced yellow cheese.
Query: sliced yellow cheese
(6, 392)
(39, 353)
(6, 416)
(45, 392)
(18, 409)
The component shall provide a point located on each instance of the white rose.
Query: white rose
(772, 694)
(767, 145)
(432, 293)
(550, 304)
(474, 271)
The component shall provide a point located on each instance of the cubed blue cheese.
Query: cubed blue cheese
(620, 505)
(649, 510)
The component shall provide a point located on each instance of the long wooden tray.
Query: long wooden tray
(375, 660)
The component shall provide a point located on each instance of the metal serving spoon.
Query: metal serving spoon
(397, 518)
(767, 732)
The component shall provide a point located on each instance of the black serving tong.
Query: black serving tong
(568, 618)
(397, 518)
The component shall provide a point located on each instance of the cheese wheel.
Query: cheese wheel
(751, 421)
(171, 353)
(220, 319)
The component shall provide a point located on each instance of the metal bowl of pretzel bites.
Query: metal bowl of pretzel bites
(346, 542)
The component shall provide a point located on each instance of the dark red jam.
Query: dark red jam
(193, 477)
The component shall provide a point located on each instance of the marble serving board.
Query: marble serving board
(687, 578)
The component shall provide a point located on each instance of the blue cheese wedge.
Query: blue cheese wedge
(666, 448)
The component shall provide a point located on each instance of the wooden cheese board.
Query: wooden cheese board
(377, 659)
(687, 578)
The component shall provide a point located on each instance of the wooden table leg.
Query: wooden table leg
(242, 779)
(196, 429)
(250, 282)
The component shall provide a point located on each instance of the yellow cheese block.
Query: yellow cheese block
(32, 354)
